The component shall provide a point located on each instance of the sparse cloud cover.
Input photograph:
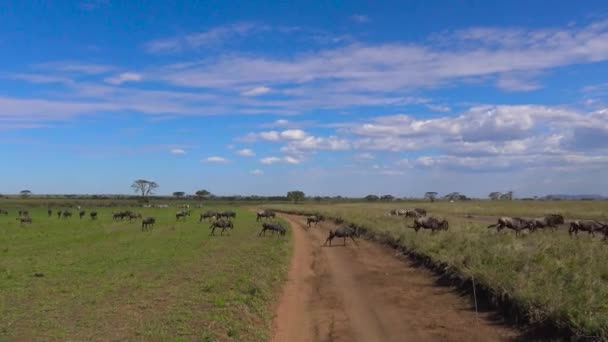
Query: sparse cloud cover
(178, 151)
(352, 99)
(216, 160)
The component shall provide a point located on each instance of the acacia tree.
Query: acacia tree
(296, 196)
(507, 196)
(431, 196)
(454, 196)
(388, 198)
(202, 194)
(494, 195)
(179, 194)
(371, 198)
(25, 193)
(144, 187)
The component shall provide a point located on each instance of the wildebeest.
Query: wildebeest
(412, 213)
(182, 215)
(147, 223)
(93, 215)
(207, 215)
(589, 226)
(59, 214)
(221, 223)
(265, 214)
(66, 214)
(431, 223)
(120, 215)
(420, 211)
(274, 227)
(24, 219)
(551, 221)
(516, 223)
(226, 214)
(342, 232)
(133, 216)
(50, 212)
(82, 213)
(314, 219)
(24, 213)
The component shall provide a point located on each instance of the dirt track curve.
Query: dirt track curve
(367, 294)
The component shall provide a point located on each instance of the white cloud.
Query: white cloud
(178, 151)
(216, 159)
(274, 160)
(293, 134)
(360, 18)
(281, 122)
(257, 91)
(211, 37)
(257, 172)
(270, 160)
(292, 160)
(124, 77)
(246, 152)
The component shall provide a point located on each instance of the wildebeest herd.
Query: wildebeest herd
(222, 220)
(552, 221)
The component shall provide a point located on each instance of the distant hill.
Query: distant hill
(574, 197)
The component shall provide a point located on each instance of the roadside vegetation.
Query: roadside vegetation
(107, 280)
(552, 278)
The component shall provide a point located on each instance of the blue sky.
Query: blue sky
(333, 98)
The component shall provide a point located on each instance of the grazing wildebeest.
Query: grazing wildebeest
(431, 223)
(59, 214)
(274, 227)
(265, 214)
(66, 214)
(24, 219)
(182, 215)
(314, 219)
(50, 212)
(119, 216)
(551, 221)
(221, 223)
(207, 215)
(147, 223)
(342, 232)
(516, 223)
(134, 216)
(589, 226)
(82, 213)
(93, 215)
(226, 214)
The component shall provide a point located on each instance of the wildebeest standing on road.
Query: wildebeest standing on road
(342, 232)
(314, 219)
(516, 223)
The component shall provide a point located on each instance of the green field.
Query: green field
(552, 277)
(107, 280)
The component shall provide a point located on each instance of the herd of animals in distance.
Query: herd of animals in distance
(223, 220)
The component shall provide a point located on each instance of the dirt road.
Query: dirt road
(365, 293)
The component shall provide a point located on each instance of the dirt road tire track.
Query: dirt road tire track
(366, 294)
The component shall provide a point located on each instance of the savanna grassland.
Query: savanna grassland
(551, 277)
(108, 280)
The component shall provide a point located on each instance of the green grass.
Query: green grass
(106, 280)
(553, 277)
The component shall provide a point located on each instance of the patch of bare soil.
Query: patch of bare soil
(365, 293)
